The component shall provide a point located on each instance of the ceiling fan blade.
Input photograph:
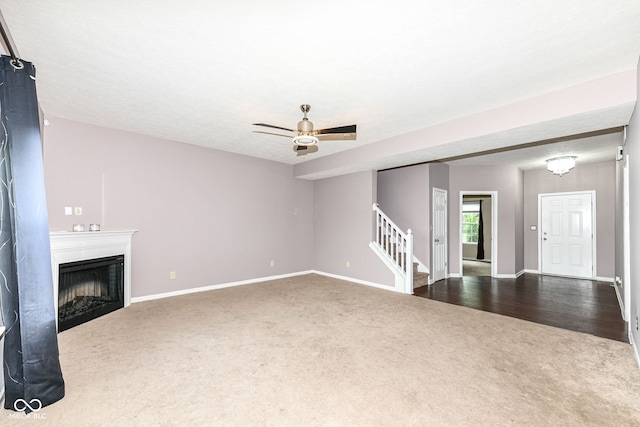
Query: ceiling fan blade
(337, 137)
(272, 126)
(339, 129)
(271, 133)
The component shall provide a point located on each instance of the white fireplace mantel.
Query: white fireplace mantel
(68, 246)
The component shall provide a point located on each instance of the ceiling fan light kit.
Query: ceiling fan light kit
(305, 140)
(305, 135)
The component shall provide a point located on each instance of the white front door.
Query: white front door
(439, 234)
(566, 233)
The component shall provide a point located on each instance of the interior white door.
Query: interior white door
(439, 234)
(567, 234)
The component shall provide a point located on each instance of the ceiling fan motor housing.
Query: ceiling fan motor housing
(305, 127)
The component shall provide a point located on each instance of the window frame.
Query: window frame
(470, 204)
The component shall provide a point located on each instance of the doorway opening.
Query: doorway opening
(478, 228)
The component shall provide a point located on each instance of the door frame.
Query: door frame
(593, 228)
(494, 229)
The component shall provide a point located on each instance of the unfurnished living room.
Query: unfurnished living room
(332, 214)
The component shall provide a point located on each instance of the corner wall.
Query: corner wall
(343, 228)
(404, 196)
(212, 217)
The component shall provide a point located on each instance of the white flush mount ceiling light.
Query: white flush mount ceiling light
(561, 165)
(305, 140)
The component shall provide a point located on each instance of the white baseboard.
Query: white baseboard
(258, 280)
(361, 282)
(605, 279)
(527, 270)
(620, 301)
(635, 348)
(213, 287)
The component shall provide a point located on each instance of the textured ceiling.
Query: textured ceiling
(201, 72)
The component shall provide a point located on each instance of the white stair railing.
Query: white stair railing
(397, 247)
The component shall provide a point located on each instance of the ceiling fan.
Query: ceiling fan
(305, 138)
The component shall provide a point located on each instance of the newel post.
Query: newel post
(408, 288)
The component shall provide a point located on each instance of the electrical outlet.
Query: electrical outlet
(68, 210)
(348, 264)
(636, 323)
(272, 263)
(172, 275)
(77, 210)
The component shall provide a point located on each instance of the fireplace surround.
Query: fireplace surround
(68, 248)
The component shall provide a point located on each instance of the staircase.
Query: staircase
(395, 248)
(420, 278)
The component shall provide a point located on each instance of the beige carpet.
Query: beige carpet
(315, 351)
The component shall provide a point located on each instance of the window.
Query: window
(470, 218)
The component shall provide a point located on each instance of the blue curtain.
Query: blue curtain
(32, 374)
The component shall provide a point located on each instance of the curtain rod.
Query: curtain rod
(8, 42)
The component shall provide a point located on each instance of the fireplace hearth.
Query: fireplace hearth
(88, 289)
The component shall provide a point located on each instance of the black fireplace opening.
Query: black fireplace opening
(89, 289)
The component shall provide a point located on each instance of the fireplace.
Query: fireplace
(88, 289)
(91, 274)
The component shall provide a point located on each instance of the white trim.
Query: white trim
(395, 269)
(77, 246)
(594, 245)
(528, 270)
(620, 303)
(505, 276)
(605, 279)
(634, 347)
(494, 231)
(214, 287)
(626, 241)
(258, 280)
(361, 282)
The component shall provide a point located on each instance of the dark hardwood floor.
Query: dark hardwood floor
(575, 304)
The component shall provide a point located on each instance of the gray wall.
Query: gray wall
(343, 228)
(585, 177)
(212, 217)
(403, 195)
(506, 181)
